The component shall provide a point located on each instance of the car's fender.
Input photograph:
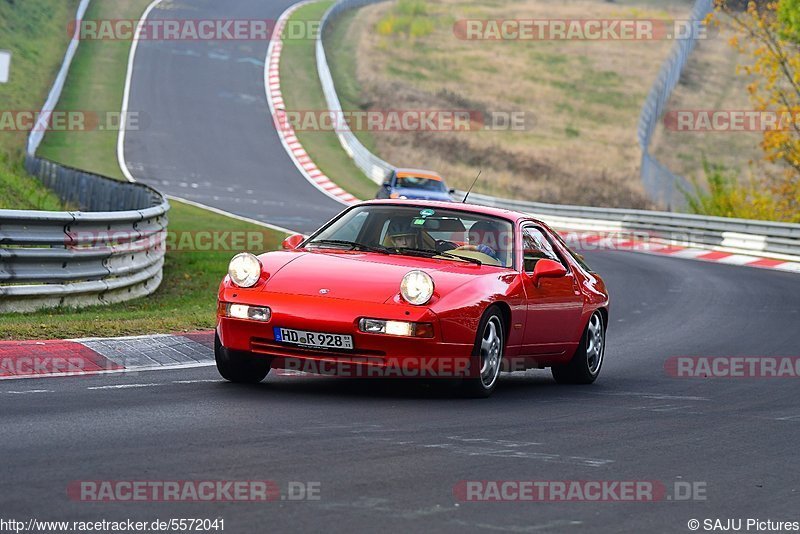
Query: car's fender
(460, 310)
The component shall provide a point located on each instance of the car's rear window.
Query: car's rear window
(420, 182)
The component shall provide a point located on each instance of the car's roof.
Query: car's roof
(458, 206)
(422, 173)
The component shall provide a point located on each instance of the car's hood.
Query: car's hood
(369, 277)
(421, 194)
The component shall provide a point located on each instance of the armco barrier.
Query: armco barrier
(766, 238)
(111, 250)
(370, 164)
(779, 240)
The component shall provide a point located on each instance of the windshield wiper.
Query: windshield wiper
(352, 244)
(427, 253)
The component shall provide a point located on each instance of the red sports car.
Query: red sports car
(422, 289)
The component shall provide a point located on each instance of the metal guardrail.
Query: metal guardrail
(659, 182)
(370, 164)
(114, 252)
(110, 249)
(766, 238)
(779, 240)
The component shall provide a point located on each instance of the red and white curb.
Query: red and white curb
(581, 241)
(730, 258)
(286, 133)
(92, 356)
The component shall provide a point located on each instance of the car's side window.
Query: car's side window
(536, 246)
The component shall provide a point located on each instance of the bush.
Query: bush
(726, 196)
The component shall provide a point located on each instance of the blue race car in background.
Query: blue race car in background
(415, 184)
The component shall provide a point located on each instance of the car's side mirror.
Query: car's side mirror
(291, 242)
(452, 191)
(387, 185)
(547, 269)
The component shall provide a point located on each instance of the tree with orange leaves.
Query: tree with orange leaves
(769, 34)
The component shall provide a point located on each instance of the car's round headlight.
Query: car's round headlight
(244, 270)
(417, 287)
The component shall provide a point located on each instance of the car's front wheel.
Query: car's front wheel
(239, 366)
(584, 368)
(487, 356)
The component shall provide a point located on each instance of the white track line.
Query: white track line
(124, 386)
(123, 164)
(113, 371)
(233, 215)
(127, 92)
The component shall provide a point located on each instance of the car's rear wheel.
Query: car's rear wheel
(584, 368)
(487, 356)
(239, 366)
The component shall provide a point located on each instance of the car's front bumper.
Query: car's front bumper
(372, 354)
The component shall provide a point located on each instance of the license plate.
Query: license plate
(317, 340)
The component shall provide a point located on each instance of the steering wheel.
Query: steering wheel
(470, 251)
(443, 245)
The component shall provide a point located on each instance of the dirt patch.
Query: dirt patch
(581, 99)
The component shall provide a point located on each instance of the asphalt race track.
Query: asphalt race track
(206, 134)
(388, 455)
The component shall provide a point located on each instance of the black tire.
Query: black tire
(238, 366)
(585, 365)
(486, 355)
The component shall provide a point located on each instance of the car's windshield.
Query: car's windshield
(413, 230)
(420, 182)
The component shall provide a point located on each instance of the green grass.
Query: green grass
(302, 91)
(342, 61)
(186, 299)
(19, 191)
(409, 18)
(35, 31)
(95, 84)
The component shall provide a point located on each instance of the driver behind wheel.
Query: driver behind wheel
(402, 234)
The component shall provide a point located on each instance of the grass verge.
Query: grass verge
(578, 101)
(186, 299)
(301, 90)
(94, 85)
(35, 31)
